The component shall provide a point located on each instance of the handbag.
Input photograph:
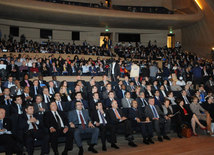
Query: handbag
(186, 131)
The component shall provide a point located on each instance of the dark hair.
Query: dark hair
(28, 105)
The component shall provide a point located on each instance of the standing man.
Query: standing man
(115, 71)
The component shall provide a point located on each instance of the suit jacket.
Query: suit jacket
(6, 84)
(112, 119)
(136, 113)
(149, 113)
(73, 117)
(50, 121)
(125, 103)
(140, 102)
(13, 91)
(116, 69)
(7, 124)
(73, 104)
(24, 126)
(107, 103)
(36, 107)
(23, 83)
(32, 91)
(95, 117)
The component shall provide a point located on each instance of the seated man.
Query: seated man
(137, 115)
(157, 117)
(80, 120)
(32, 129)
(57, 123)
(98, 117)
(116, 120)
(6, 138)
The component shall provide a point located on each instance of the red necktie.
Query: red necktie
(82, 121)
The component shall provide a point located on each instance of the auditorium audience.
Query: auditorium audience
(154, 97)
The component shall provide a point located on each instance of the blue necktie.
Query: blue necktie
(154, 112)
(1, 124)
(102, 117)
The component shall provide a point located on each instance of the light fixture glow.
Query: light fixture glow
(213, 48)
(199, 4)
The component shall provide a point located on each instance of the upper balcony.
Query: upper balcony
(180, 13)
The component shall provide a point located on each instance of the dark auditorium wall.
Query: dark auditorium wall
(199, 37)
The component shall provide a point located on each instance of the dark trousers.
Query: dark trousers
(10, 144)
(79, 132)
(126, 125)
(31, 136)
(146, 130)
(103, 133)
(59, 133)
(159, 126)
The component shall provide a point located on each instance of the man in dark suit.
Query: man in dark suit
(10, 83)
(78, 97)
(98, 117)
(115, 71)
(42, 82)
(157, 117)
(32, 129)
(13, 70)
(47, 98)
(148, 92)
(117, 120)
(184, 96)
(6, 101)
(138, 118)
(158, 100)
(6, 136)
(52, 89)
(56, 82)
(26, 81)
(61, 106)
(39, 106)
(35, 89)
(26, 98)
(109, 100)
(57, 123)
(80, 120)
(142, 101)
(94, 101)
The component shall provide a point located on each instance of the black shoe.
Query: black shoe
(104, 148)
(146, 142)
(91, 148)
(151, 141)
(56, 153)
(160, 139)
(132, 144)
(180, 136)
(166, 137)
(81, 151)
(65, 153)
(114, 146)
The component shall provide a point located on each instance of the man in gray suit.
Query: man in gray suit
(39, 106)
(127, 100)
(158, 118)
(80, 120)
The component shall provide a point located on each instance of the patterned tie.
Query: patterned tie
(82, 121)
(103, 119)
(117, 114)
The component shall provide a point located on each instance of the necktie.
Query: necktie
(166, 88)
(1, 124)
(154, 112)
(35, 89)
(59, 106)
(28, 85)
(117, 114)
(103, 119)
(58, 120)
(34, 125)
(187, 101)
(82, 121)
(143, 104)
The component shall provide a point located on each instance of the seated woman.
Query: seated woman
(171, 117)
(209, 106)
(201, 113)
(188, 117)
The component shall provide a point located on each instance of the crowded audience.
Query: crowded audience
(133, 96)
